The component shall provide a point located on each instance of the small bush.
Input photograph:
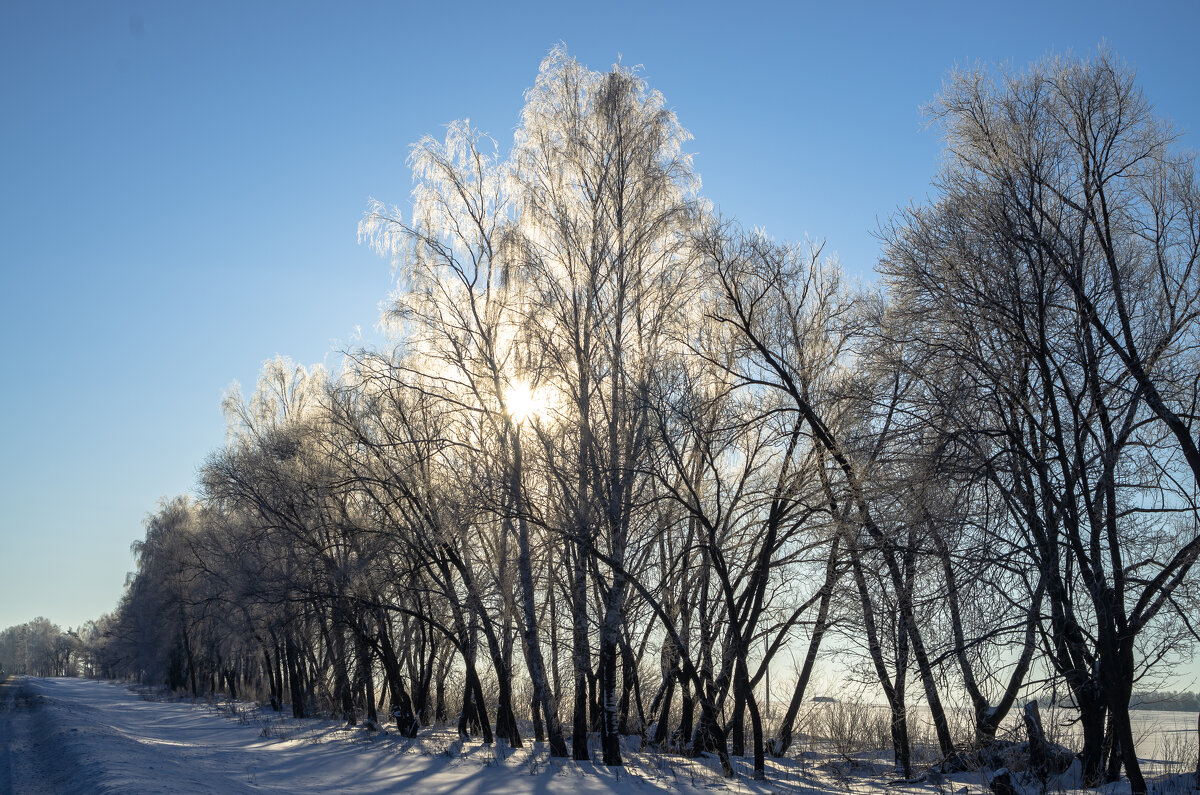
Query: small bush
(851, 728)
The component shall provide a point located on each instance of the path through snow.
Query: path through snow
(78, 735)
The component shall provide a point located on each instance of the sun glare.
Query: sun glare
(521, 401)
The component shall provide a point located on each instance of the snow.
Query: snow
(78, 735)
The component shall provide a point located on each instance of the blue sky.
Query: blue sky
(180, 185)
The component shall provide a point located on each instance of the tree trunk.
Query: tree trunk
(664, 714)
(479, 718)
(756, 728)
(940, 724)
(1091, 719)
(506, 719)
(893, 691)
(440, 712)
(628, 686)
(580, 657)
(272, 681)
(539, 731)
(1123, 735)
(341, 676)
(402, 707)
(424, 706)
(295, 683)
(737, 722)
(687, 710)
(609, 736)
(467, 715)
(366, 677)
(191, 660)
(1112, 752)
(1038, 757)
(533, 645)
(780, 747)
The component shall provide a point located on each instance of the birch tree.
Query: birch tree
(605, 196)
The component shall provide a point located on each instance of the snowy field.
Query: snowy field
(82, 736)
(1162, 736)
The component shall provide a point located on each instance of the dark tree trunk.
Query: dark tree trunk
(440, 712)
(1038, 757)
(579, 712)
(784, 742)
(1091, 719)
(609, 738)
(1123, 737)
(894, 691)
(295, 685)
(191, 661)
(535, 709)
(279, 672)
(424, 702)
(368, 680)
(756, 729)
(272, 681)
(467, 715)
(737, 723)
(595, 722)
(1112, 752)
(708, 735)
(341, 676)
(506, 719)
(402, 707)
(687, 710)
(480, 718)
(628, 683)
(364, 677)
(661, 730)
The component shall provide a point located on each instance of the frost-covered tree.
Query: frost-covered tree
(605, 199)
(40, 648)
(1053, 291)
(620, 458)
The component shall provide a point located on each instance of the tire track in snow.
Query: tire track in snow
(22, 757)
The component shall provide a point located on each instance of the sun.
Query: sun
(522, 402)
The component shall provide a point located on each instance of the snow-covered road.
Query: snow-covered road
(18, 771)
(76, 735)
(83, 736)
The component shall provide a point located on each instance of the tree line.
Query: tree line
(1170, 701)
(42, 648)
(626, 459)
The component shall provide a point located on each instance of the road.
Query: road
(83, 736)
(21, 767)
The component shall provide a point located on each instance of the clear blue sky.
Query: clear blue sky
(180, 185)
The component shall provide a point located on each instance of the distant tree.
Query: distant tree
(39, 648)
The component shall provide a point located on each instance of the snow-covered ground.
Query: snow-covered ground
(81, 736)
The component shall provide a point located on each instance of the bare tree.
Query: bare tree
(798, 324)
(1060, 258)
